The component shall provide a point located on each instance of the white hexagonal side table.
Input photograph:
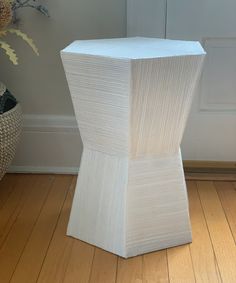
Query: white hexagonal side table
(131, 98)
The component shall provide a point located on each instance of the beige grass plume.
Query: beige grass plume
(5, 19)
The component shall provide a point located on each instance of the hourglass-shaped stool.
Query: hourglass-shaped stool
(131, 98)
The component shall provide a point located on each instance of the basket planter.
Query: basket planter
(10, 129)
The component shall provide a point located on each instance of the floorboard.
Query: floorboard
(14, 204)
(23, 225)
(31, 260)
(130, 270)
(6, 188)
(203, 257)
(180, 265)
(80, 263)
(227, 195)
(220, 233)
(34, 213)
(104, 267)
(155, 267)
(57, 258)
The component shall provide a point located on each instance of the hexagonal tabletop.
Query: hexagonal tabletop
(135, 48)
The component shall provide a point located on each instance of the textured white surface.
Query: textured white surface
(135, 47)
(100, 198)
(157, 205)
(162, 91)
(100, 93)
(131, 195)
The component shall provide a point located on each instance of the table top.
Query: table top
(135, 48)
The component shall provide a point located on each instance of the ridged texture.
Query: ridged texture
(100, 93)
(157, 205)
(101, 201)
(10, 130)
(131, 194)
(162, 90)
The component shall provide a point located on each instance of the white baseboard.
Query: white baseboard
(44, 170)
(49, 144)
(49, 123)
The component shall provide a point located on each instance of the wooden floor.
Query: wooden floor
(34, 211)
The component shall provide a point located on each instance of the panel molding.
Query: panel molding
(208, 91)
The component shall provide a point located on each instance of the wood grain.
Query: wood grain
(130, 270)
(14, 205)
(48, 255)
(31, 260)
(221, 237)
(180, 265)
(6, 188)
(155, 267)
(202, 253)
(57, 258)
(17, 237)
(227, 195)
(104, 267)
(80, 263)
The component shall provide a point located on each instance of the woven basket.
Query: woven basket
(10, 129)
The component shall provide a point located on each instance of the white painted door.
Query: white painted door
(211, 129)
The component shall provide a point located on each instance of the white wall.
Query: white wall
(146, 18)
(39, 82)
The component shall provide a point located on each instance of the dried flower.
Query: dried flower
(8, 15)
(5, 13)
(19, 4)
